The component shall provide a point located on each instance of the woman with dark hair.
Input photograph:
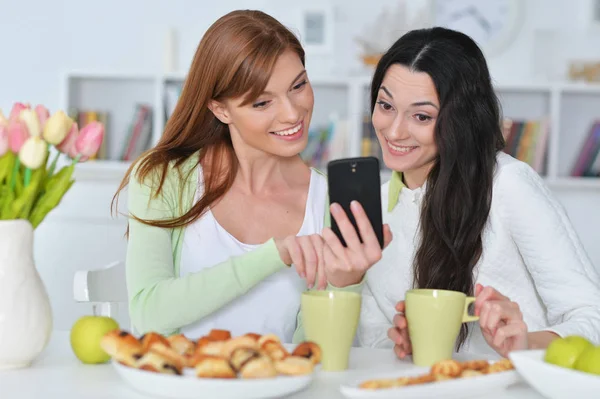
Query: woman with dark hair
(223, 204)
(465, 215)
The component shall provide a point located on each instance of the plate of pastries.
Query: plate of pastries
(445, 379)
(216, 365)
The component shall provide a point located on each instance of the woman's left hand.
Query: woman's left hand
(346, 266)
(501, 321)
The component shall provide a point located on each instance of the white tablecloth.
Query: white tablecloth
(58, 374)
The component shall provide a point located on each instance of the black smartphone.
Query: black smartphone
(356, 179)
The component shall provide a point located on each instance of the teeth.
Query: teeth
(289, 132)
(400, 149)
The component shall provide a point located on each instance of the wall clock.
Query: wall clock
(493, 24)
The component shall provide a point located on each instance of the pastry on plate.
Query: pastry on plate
(208, 366)
(219, 335)
(260, 366)
(309, 350)
(449, 368)
(500, 366)
(238, 342)
(152, 338)
(156, 362)
(294, 365)
(271, 345)
(122, 347)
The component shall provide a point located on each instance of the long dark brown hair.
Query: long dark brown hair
(235, 58)
(468, 135)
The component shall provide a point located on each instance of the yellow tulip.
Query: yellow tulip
(57, 127)
(33, 152)
(31, 120)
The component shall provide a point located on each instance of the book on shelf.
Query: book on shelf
(325, 143)
(527, 140)
(83, 116)
(587, 164)
(139, 133)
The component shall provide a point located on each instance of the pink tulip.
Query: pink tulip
(16, 110)
(3, 121)
(17, 135)
(43, 115)
(89, 140)
(67, 146)
(3, 139)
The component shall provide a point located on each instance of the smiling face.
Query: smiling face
(404, 119)
(276, 123)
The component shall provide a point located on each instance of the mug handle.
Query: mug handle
(466, 317)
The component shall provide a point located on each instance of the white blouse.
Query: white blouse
(531, 254)
(270, 307)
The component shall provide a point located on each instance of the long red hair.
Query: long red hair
(235, 58)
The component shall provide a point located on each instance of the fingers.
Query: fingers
(401, 307)
(487, 294)
(310, 259)
(494, 314)
(400, 321)
(318, 245)
(346, 228)
(336, 247)
(515, 331)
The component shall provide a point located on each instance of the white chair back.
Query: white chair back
(105, 287)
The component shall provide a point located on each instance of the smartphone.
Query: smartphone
(356, 179)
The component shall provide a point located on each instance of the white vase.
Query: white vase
(25, 312)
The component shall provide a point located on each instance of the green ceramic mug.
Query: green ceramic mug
(434, 319)
(330, 319)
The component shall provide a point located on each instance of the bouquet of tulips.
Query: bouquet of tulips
(30, 185)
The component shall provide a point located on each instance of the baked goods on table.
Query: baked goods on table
(216, 355)
(443, 371)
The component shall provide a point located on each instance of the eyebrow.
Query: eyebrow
(417, 104)
(293, 81)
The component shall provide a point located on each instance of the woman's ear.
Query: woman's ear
(220, 111)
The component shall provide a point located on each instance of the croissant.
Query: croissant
(213, 367)
(241, 356)
(219, 335)
(155, 362)
(238, 342)
(258, 367)
(309, 350)
(152, 338)
(123, 347)
(449, 368)
(294, 365)
(273, 348)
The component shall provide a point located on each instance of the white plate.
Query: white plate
(188, 386)
(458, 388)
(552, 381)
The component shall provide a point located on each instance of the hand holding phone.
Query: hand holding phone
(357, 236)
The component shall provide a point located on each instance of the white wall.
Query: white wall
(42, 39)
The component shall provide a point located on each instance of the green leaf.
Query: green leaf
(57, 187)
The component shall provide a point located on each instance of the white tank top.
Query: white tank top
(273, 304)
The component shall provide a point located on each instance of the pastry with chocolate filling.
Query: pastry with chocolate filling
(309, 350)
(151, 338)
(238, 342)
(258, 367)
(181, 344)
(170, 354)
(219, 335)
(294, 365)
(274, 349)
(122, 347)
(155, 362)
(241, 356)
(213, 367)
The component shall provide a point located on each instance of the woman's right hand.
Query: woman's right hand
(306, 254)
(398, 333)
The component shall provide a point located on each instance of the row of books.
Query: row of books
(588, 162)
(527, 141)
(136, 139)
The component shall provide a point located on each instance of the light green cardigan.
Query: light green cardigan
(159, 299)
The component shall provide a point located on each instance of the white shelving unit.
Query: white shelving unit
(572, 108)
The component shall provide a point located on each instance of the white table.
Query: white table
(58, 374)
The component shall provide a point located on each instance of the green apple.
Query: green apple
(564, 352)
(589, 361)
(86, 334)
